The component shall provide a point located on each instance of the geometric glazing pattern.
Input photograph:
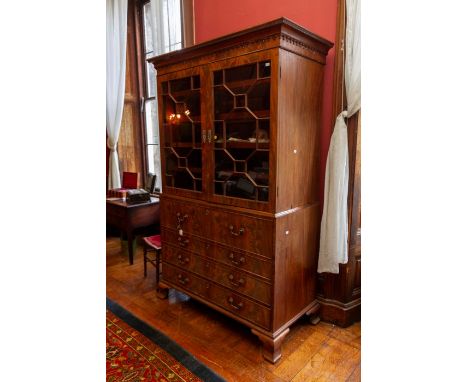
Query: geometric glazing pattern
(182, 132)
(242, 130)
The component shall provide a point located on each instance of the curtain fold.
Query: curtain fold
(334, 226)
(116, 43)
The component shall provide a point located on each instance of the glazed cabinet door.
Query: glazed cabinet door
(182, 133)
(241, 125)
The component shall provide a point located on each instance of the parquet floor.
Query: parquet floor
(310, 353)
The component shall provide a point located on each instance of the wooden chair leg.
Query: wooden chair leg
(158, 262)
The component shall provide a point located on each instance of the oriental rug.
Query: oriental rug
(137, 352)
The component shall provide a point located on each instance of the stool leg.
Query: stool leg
(158, 262)
(145, 259)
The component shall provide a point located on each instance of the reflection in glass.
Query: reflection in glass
(182, 131)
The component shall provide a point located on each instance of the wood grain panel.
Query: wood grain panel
(299, 123)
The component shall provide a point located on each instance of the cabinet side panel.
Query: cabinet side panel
(299, 106)
(295, 263)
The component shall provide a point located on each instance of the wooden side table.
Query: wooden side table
(129, 217)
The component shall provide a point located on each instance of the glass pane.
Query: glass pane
(240, 186)
(258, 97)
(147, 29)
(257, 167)
(218, 77)
(150, 80)
(181, 84)
(182, 127)
(151, 116)
(242, 131)
(196, 82)
(154, 163)
(264, 69)
(224, 101)
(240, 73)
(174, 23)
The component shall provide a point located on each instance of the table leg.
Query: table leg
(130, 239)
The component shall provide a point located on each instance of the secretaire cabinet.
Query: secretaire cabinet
(239, 120)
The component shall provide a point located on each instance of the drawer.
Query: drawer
(225, 298)
(226, 255)
(243, 232)
(241, 260)
(187, 241)
(230, 277)
(242, 283)
(235, 230)
(240, 306)
(191, 218)
(185, 280)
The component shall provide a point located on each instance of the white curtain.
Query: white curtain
(116, 43)
(334, 228)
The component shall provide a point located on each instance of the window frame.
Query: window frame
(187, 37)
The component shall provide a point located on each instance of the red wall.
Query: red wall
(214, 18)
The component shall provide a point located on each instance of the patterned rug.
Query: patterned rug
(138, 352)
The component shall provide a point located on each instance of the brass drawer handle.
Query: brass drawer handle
(180, 219)
(239, 306)
(183, 280)
(239, 283)
(181, 259)
(182, 242)
(241, 231)
(234, 261)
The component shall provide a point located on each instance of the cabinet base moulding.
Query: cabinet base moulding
(339, 313)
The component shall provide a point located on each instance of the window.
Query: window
(171, 32)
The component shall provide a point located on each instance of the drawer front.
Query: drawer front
(227, 276)
(240, 306)
(190, 218)
(236, 230)
(187, 241)
(242, 283)
(225, 298)
(226, 255)
(241, 260)
(185, 280)
(243, 232)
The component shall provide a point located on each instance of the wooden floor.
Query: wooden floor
(310, 353)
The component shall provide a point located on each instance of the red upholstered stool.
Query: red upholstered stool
(153, 244)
